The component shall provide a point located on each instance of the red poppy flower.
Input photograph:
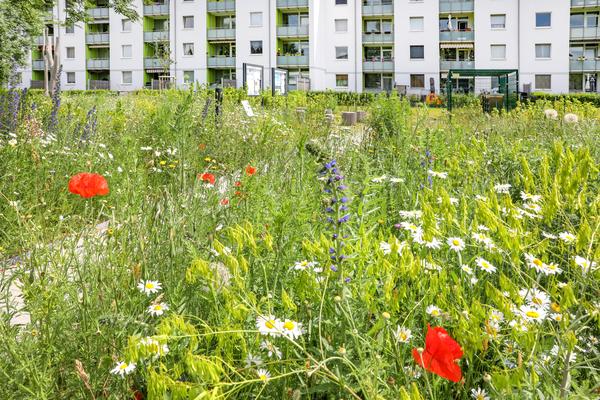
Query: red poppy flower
(88, 185)
(250, 171)
(238, 184)
(439, 355)
(208, 178)
(224, 202)
(202, 145)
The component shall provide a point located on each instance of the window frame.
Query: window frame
(123, 77)
(492, 53)
(543, 26)
(74, 78)
(497, 27)
(337, 80)
(417, 46)
(67, 53)
(191, 18)
(123, 21)
(261, 18)
(192, 48)
(123, 50)
(261, 47)
(335, 25)
(422, 24)
(549, 51)
(336, 53)
(341, 2)
(549, 81)
(416, 76)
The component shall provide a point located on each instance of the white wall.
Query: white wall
(118, 63)
(76, 40)
(197, 36)
(485, 36)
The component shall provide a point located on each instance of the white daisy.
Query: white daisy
(530, 197)
(479, 394)
(123, 369)
(556, 317)
(485, 265)
(158, 309)
(482, 198)
(585, 264)
(387, 248)
(149, 287)
(252, 361)
(467, 269)
(412, 372)
(474, 281)
(534, 262)
(379, 179)
(153, 346)
(497, 316)
(396, 180)
(434, 243)
(411, 227)
(492, 248)
(537, 298)
(532, 207)
(549, 236)
(562, 284)
(551, 269)
(456, 244)
(481, 238)
(453, 201)
(271, 349)
(434, 310)
(302, 265)
(402, 335)
(268, 325)
(442, 175)
(483, 228)
(502, 188)
(555, 352)
(13, 203)
(518, 325)
(567, 237)
(12, 142)
(263, 374)
(533, 314)
(292, 329)
(513, 232)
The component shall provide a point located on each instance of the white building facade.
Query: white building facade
(343, 45)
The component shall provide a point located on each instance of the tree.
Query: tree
(22, 20)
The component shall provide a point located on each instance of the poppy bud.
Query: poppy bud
(342, 351)
(386, 315)
(487, 378)
(420, 350)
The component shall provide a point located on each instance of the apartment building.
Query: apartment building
(346, 45)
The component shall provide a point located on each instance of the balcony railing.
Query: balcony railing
(219, 6)
(584, 65)
(378, 66)
(292, 31)
(378, 37)
(97, 38)
(98, 63)
(585, 3)
(156, 36)
(292, 3)
(98, 85)
(378, 7)
(451, 64)
(457, 6)
(220, 62)
(160, 9)
(36, 84)
(292, 61)
(152, 63)
(37, 65)
(457, 36)
(39, 40)
(98, 13)
(220, 34)
(587, 33)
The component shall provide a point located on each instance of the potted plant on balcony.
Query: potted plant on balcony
(278, 52)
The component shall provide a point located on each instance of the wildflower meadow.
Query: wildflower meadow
(153, 248)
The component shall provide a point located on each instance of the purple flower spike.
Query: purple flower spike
(342, 187)
(334, 268)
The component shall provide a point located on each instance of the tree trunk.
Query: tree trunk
(45, 57)
(55, 64)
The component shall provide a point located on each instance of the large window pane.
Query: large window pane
(543, 81)
(341, 53)
(373, 81)
(416, 24)
(543, 19)
(498, 51)
(256, 19)
(341, 80)
(373, 26)
(576, 51)
(341, 25)
(417, 81)
(542, 51)
(576, 83)
(127, 50)
(188, 22)
(188, 49)
(256, 47)
(498, 21)
(127, 77)
(417, 52)
(577, 20)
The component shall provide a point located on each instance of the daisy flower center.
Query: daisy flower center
(123, 366)
(558, 318)
(455, 242)
(413, 227)
(402, 336)
(157, 308)
(304, 264)
(569, 237)
(149, 286)
(289, 325)
(485, 265)
(435, 312)
(551, 267)
(270, 346)
(479, 397)
(495, 318)
(537, 262)
(532, 206)
(263, 377)
(532, 314)
(537, 301)
(467, 269)
(270, 324)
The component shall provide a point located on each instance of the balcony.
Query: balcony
(378, 7)
(292, 31)
(36, 84)
(584, 65)
(220, 34)
(220, 62)
(156, 36)
(37, 65)
(160, 9)
(153, 63)
(457, 36)
(98, 13)
(588, 33)
(39, 40)
(97, 38)
(220, 6)
(446, 65)
(292, 61)
(456, 6)
(98, 63)
(98, 85)
(292, 3)
(378, 37)
(378, 66)
(585, 3)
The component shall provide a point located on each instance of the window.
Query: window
(341, 80)
(127, 77)
(543, 19)
(542, 51)
(417, 52)
(341, 25)
(256, 47)
(126, 51)
(70, 29)
(188, 76)
(341, 2)
(188, 22)
(417, 81)
(498, 51)
(256, 19)
(70, 77)
(126, 25)
(577, 20)
(373, 81)
(188, 49)
(341, 53)
(591, 19)
(416, 24)
(576, 83)
(70, 52)
(543, 81)
(498, 21)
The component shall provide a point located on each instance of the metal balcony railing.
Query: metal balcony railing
(157, 9)
(98, 63)
(457, 36)
(378, 7)
(98, 85)
(37, 65)
(156, 36)
(39, 40)
(584, 65)
(453, 6)
(378, 66)
(153, 63)
(220, 34)
(292, 61)
(36, 84)
(585, 33)
(98, 13)
(220, 6)
(585, 3)
(446, 65)
(220, 62)
(292, 3)
(378, 37)
(97, 38)
(292, 31)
